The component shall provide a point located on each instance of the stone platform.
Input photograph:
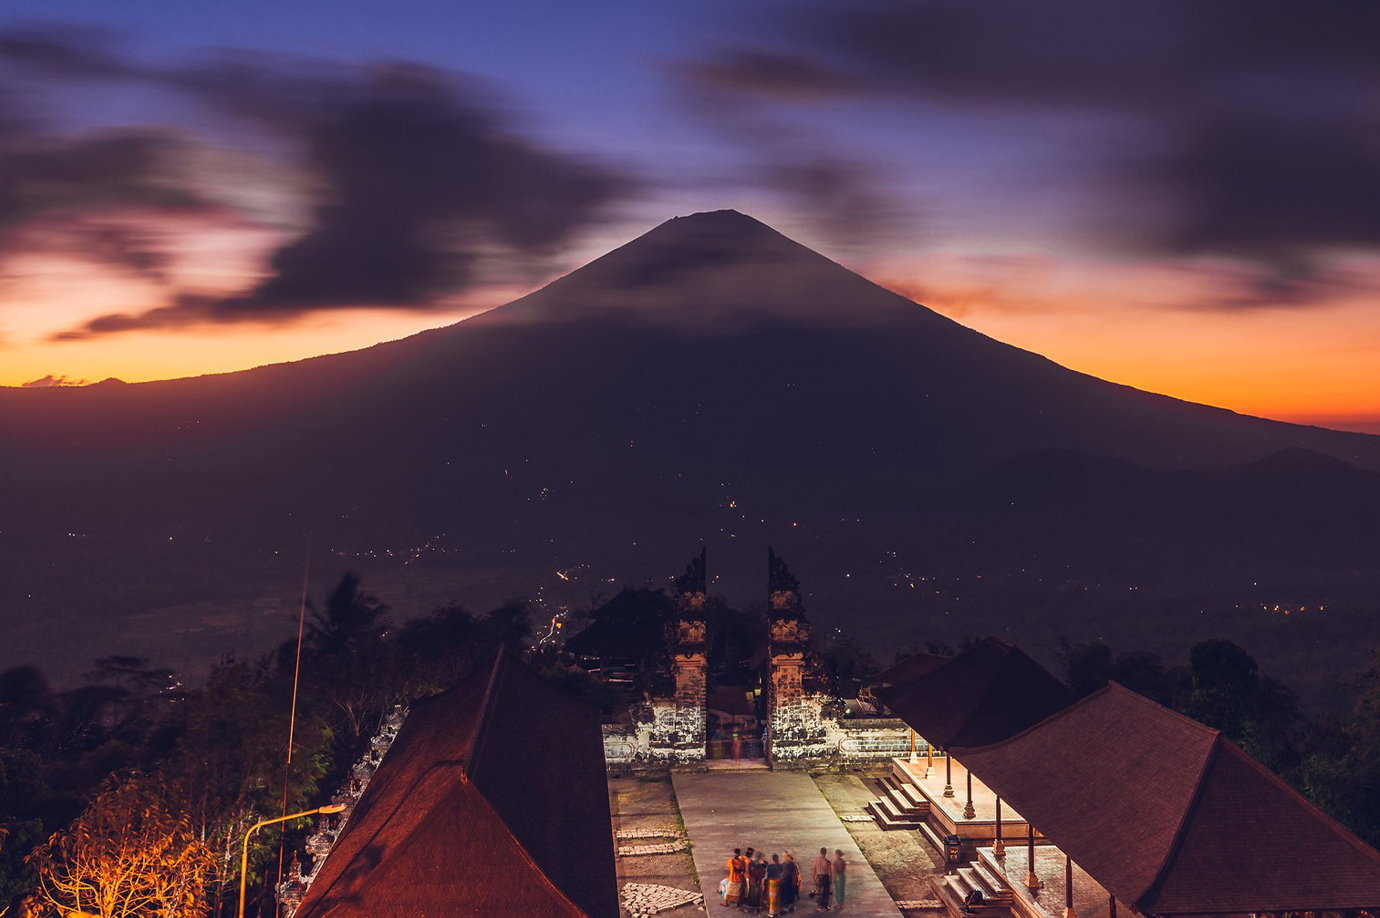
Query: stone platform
(773, 811)
(946, 813)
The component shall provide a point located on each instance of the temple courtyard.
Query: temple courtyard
(772, 811)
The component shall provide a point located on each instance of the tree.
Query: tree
(25, 701)
(846, 665)
(350, 662)
(1342, 770)
(131, 854)
(1090, 666)
(351, 617)
(226, 769)
(1229, 693)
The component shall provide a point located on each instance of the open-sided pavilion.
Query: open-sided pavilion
(1172, 818)
(1139, 808)
(991, 691)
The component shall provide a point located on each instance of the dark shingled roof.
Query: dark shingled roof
(1172, 817)
(610, 640)
(912, 667)
(987, 693)
(492, 801)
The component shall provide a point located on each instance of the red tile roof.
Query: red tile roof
(492, 801)
(1172, 817)
(985, 694)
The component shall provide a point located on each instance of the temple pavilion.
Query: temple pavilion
(492, 801)
(1050, 806)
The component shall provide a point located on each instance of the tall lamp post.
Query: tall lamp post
(244, 858)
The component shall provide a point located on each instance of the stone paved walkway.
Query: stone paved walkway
(771, 811)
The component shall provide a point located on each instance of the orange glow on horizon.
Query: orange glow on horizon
(1127, 324)
(1136, 325)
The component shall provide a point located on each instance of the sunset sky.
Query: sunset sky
(1175, 195)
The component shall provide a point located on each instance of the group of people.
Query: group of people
(754, 882)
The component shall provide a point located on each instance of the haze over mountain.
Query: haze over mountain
(710, 382)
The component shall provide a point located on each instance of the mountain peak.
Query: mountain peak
(725, 219)
(717, 270)
(722, 233)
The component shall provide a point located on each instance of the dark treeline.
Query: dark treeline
(195, 767)
(1334, 759)
(132, 747)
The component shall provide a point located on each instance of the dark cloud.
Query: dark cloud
(418, 181)
(842, 196)
(88, 194)
(1279, 287)
(52, 382)
(65, 52)
(185, 311)
(97, 195)
(1278, 188)
(417, 176)
(1251, 125)
(1162, 57)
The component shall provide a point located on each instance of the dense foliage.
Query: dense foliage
(199, 766)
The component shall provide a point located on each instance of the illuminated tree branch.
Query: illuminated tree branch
(129, 855)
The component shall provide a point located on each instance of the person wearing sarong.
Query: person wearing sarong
(733, 895)
(774, 886)
(840, 878)
(790, 883)
(757, 881)
(823, 871)
(746, 903)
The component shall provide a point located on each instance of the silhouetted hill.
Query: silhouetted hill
(1295, 511)
(710, 382)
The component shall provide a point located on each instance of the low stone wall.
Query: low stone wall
(799, 729)
(661, 735)
(818, 742)
(844, 744)
(872, 740)
(622, 743)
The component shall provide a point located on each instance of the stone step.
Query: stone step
(950, 891)
(931, 836)
(993, 887)
(892, 809)
(907, 805)
(888, 820)
(973, 878)
(912, 793)
(902, 812)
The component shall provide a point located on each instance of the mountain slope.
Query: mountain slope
(711, 381)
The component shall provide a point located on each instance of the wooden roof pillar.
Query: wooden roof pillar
(1068, 888)
(999, 846)
(1031, 880)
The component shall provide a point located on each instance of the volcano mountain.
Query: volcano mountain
(711, 382)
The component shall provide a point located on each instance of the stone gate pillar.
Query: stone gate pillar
(795, 696)
(686, 647)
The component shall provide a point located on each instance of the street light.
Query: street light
(244, 859)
